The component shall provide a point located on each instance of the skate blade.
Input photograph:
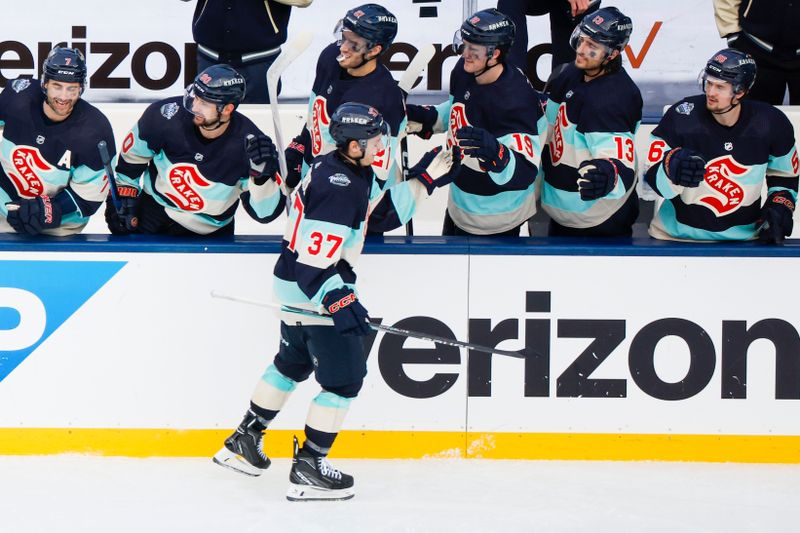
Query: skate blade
(307, 493)
(237, 463)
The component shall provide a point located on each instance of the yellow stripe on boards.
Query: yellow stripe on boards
(414, 445)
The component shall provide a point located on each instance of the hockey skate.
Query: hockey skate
(244, 449)
(314, 479)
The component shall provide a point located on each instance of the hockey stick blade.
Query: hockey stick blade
(522, 354)
(415, 68)
(289, 52)
(105, 158)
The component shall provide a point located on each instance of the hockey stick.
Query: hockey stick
(290, 51)
(378, 327)
(406, 83)
(105, 157)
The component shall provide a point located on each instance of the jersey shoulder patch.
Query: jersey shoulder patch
(21, 84)
(169, 110)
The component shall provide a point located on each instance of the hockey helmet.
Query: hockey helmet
(218, 84)
(735, 67)
(356, 122)
(373, 22)
(608, 27)
(489, 28)
(64, 64)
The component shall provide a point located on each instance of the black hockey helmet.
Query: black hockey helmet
(488, 28)
(64, 64)
(607, 26)
(737, 68)
(373, 22)
(356, 122)
(218, 84)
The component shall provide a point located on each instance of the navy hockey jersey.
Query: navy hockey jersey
(332, 87)
(725, 206)
(59, 159)
(326, 227)
(197, 181)
(594, 119)
(486, 203)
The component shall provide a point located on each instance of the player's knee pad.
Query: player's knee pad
(273, 389)
(350, 390)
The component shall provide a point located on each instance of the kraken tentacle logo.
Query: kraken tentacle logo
(319, 118)
(557, 144)
(28, 162)
(726, 193)
(458, 119)
(184, 180)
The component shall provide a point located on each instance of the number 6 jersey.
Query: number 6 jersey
(727, 203)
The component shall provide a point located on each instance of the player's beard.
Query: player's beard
(208, 125)
(716, 107)
(61, 108)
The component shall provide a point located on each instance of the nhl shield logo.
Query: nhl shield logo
(466, 96)
(198, 157)
(40, 139)
(728, 146)
(721, 178)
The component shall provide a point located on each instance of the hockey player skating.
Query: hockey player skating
(493, 114)
(323, 240)
(593, 112)
(711, 154)
(348, 71)
(52, 179)
(187, 162)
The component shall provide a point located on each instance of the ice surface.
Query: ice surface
(87, 494)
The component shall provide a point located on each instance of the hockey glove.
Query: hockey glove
(294, 162)
(437, 168)
(479, 143)
(263, 158)
(421, 120)
(32, 216)
(775, 221)
(349, 316)
(125, 219)
(685, 167)
(598, 178)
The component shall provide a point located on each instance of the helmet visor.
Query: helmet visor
(345, 36)
(583, 44)
(198, 107)
(470, 50)
(707, 81)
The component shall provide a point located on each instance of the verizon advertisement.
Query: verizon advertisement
(144, 50)
(613, 345)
